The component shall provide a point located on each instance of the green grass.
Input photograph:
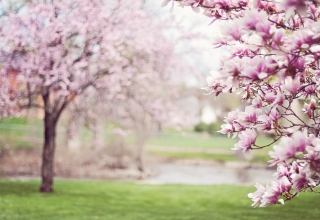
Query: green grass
(200, 155)
(203, 141)
(82, 200)
(191, 140)
(20, 132)
(27, 133)
(257, 158)
(17, 132)
(198, 140)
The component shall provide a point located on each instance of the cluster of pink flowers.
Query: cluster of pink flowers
(8, 96)
(298, 168)
(274, 51)
(65, 47)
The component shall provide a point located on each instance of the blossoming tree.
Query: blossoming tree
(59, 49)
(145, 99)
(274, 62)
(8, 96)
(146, 93)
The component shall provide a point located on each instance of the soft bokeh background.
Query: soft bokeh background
(103, 138)
(98, 137)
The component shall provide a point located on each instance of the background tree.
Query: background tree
(273, 63)
(59, 49)
(145, 95)
(8, 95)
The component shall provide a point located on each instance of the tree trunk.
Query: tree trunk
(98, 134)
(140, 161)
(74, 129)
(50, 124)
(140, 154)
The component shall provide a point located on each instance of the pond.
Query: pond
(207, 174)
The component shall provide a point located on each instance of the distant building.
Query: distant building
(208, 114)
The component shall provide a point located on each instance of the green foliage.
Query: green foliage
(82, 200)
(212, 128)
(201, 127)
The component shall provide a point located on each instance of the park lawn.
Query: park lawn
(193, 140)
(28, 132)
(20, 132)
(198, 140)
(79, 200)
(220, 157)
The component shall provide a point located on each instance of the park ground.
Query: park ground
(112, 192)
(109, 200)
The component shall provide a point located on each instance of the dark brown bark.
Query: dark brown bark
(52, 111)
(47, 171)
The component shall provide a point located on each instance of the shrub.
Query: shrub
(201, 127)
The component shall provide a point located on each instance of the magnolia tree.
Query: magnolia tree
(145, 94)
(274, 63)
(139, 110)
(11, 5)
(56, 50)
(8, 96)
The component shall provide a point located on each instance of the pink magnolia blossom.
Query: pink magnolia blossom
(231, 30)
(264, 197)
(284, 153)
(253, 18)
(247, 139)
(270, 96)
(300, 180)
(309, 108)
(282, 171)
(258, 68)
(309, 90)
(257, 196)
(274, 115)
(257, 103)
(264, 123)
(271, 195)
(291, 85)
(289, 146)
(274, 62)
(249, 116)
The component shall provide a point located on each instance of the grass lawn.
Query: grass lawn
(25, 132)
(79, 200)
(204, 141)
(28, 133)
(256, 158)
(198, 140)
(19, 133)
